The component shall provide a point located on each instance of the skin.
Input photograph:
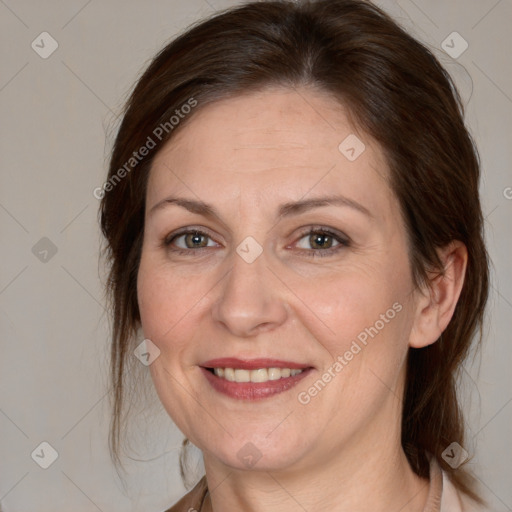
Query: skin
(246, 156)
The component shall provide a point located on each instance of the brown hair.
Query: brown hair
(398, 93)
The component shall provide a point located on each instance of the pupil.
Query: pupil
(195, 239)
(320, 240)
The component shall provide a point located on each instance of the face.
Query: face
(269, 245)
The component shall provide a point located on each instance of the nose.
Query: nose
(250, 299)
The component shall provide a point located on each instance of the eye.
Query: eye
(313, 242)
(321, 242)
(187, 240)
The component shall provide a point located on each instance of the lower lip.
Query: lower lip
(253, 390)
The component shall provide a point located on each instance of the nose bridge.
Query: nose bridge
(249, 300)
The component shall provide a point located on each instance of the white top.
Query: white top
(454, 501)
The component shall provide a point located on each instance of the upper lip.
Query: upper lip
(252, 364)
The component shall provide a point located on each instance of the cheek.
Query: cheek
(167, 300)
(362, 320)
(345, 303)
(153, 297)
(168, 305)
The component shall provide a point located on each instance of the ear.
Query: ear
(436, 303)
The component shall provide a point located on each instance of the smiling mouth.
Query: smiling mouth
(253, 378)
(257, 375)
(255, 384)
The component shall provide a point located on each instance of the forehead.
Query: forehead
(272, 143)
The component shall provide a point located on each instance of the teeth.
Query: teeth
(242, 376)
(229, 374)
(259, 375)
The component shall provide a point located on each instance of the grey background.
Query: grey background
(58, 116)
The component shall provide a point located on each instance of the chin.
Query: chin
(259, 452)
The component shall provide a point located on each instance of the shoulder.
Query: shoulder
(454, 500)
(192, 501)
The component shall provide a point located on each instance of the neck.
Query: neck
(376, 480)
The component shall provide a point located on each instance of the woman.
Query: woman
(293, 222)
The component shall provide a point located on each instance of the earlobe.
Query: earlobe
(436, 303)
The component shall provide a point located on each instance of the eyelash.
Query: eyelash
(343, 241)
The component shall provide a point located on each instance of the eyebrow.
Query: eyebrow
(285, 210)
